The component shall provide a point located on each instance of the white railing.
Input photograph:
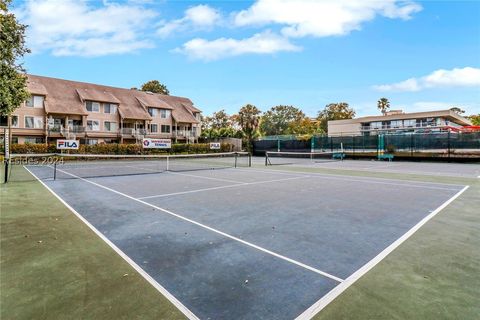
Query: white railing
(389, 126)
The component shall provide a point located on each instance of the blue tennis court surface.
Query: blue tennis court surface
(250, 243)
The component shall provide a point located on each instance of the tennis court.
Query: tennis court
(244, 243)
(325, 160)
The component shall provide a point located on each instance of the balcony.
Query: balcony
(76, 129)
(184, 134)
(132, 132)
(395, 127)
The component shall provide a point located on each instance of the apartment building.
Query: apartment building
(396, 121)
(95, 113)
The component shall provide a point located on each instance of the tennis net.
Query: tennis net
(285, 158)
(68, 166)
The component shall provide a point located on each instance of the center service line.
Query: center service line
(325, 274)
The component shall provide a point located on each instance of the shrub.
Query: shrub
(116, 148)
(390, 148)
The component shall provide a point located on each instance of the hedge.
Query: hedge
(116, 148)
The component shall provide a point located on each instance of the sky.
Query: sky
(421, 55)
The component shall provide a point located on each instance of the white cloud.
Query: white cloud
(469, 107)
(457, 77)
(260, 43)
(197, 17)
(69, 27)
(322, 18)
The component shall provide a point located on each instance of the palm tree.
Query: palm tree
(248, 119)
(383, 105)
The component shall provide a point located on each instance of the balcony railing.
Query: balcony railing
(184, 133)
(393, 127)
(137, 133)
(133, 132)
(76, 129)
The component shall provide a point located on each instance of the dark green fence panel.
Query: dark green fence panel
(439, 144)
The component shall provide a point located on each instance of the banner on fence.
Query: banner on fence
(6, 141)
(215, 145)
(157, 143)
(67, 144)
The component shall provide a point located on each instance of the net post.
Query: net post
(236, 157)
(55, 170)
(168, 162)
(249, 159)
(7, 163)
(266, 158)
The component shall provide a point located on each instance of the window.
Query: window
(15, 140)
(164, 113)
(410, 123)
(153, 128)
(93, 125)
(93, 106)
(33, 122)
(110, 126)
(153, 112)
(165, 128)
(110, 108)
(3, 121)
(376, 125)
(35, 102)
(91, 141)
(15, 121)
(396, 123)
(33, 140)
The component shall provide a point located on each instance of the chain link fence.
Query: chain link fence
(446, 145)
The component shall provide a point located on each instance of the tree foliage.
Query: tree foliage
(304, 126)
(277, 120)
(13, 81)
(475, 119)
(383, 105)
(334, 111)
(457, 110)
(155, 86)
(220, 125)
(248, 119)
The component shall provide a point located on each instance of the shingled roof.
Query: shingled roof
(182, 108)
(68, 97)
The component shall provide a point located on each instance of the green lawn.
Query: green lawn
(54, 267)
(435, 274)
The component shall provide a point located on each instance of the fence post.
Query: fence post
(278, 145)
(353, 146)
(448, 144)
(411, 144)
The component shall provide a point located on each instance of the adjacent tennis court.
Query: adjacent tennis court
(337, 161)
(244, 243)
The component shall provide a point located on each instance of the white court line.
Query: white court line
(408, 183)
(385, 169)
(325, 274)
(208, 178)
(335, 292)
(221, 187)
(143, 273)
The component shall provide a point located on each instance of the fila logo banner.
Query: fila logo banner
(67, 144)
